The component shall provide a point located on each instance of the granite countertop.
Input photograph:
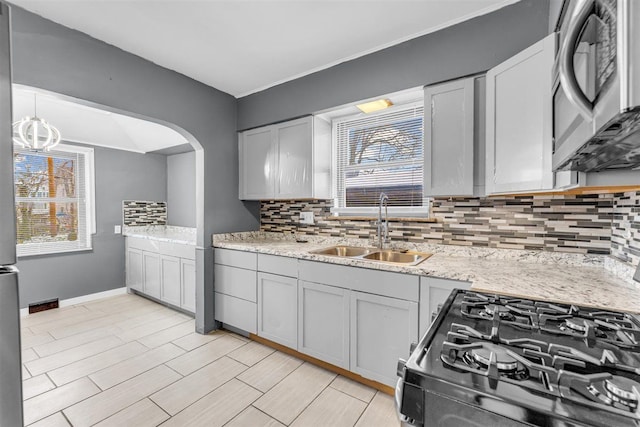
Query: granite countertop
(561, 277)
(163, 233)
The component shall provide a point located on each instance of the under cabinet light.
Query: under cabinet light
(378, 104)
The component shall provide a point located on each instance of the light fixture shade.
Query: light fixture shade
(35, 134)
(378, 104)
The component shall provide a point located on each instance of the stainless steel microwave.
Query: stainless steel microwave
(596, 91)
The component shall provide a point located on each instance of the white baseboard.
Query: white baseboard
(84, 298)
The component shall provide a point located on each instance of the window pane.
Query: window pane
(401, 140)
(403, 185)
(33, 174)
(47, 222)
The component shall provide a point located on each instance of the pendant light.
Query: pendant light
(34, 133)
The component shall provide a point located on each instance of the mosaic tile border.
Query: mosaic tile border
(575, 224)
(137, 213)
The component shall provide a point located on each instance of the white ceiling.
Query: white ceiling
(88, 125)
(244, 46)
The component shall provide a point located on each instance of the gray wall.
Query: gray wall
(120, 175)
(181, 189)
(49, 56)
(467, 48)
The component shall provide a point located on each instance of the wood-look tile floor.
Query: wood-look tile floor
(127, 361)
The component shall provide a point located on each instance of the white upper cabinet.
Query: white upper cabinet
(286, 160)
(452, 139)
(519, 121)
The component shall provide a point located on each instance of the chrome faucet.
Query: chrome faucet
(384, 199)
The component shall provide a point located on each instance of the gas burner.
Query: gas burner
(503, 312)
(617, 391)
(577, 324)
(504, 362)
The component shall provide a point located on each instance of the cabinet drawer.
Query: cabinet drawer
(179, 250)
(240, 259)
(236, 312)
(395, 285)
(236, 282)
(281, 265)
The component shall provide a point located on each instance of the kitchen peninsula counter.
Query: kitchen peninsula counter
(590, 280)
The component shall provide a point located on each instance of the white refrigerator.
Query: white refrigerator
(10, 352)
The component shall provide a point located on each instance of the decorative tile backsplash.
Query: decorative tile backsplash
(136, 212)
(625, 227)
(580, 224)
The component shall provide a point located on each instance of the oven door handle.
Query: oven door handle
(568, 79)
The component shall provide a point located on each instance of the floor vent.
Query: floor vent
(43, 305)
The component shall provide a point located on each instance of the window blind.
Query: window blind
(53, 204)
(381, 152)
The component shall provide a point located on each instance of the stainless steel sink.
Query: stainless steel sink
(344, 251)
(373, 254)
(397, 257)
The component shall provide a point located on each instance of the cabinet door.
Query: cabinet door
(448, 138)
(382, 329)
(519, 121)
(170, 279)
(151, 272)
(433, 293)
(257, 165)
(278, 309)
(134, 276)
(188, 284)
(323, 322)
(294, 143)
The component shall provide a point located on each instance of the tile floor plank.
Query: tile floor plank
(204, 355)
(380, 412)
(59, 345)
(141, 414)
(129, 368)
(48, 403)
(36, 385)
(167, 335)
(331, 408)
(251, 353)
(28, 355)
(134, 333)
(95, 363)
(195, 340)
(28, 341)
(251, 417)
(287, 399)
(55, 420)
(109, 402)
(352, 388)
(44, 364)
(189, 389)
(216, 408)
(270, 371)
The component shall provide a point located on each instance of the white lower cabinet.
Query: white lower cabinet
(278, 309)
(170, 279)
(235, 280)
(382, 330)
(151, 274)
(323, 322)
(162, 270)
(134, 277)
(434, 292)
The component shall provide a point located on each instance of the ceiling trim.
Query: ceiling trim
(450, 23)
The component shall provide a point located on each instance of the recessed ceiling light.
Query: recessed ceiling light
(378, 104)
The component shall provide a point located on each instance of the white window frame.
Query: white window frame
(47, 248)
(394, 211)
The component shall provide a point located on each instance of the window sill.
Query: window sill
(53, 252)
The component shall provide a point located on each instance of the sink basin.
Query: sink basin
(343, 251)
(398, 257)
(374, 254)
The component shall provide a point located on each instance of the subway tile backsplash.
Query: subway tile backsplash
(136, 212)
(589, 224)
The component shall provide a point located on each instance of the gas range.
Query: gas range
(496, 360)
